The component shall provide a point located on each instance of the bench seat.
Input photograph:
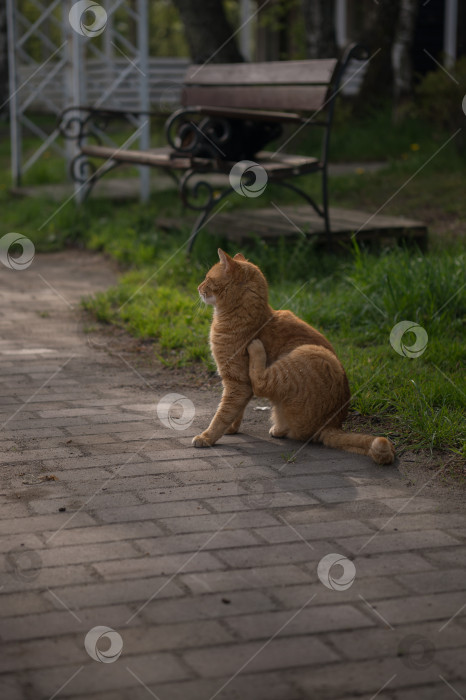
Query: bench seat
(276, 166)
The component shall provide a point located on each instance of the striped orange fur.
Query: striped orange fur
(276, 355)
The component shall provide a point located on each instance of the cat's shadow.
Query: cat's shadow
(296, 474)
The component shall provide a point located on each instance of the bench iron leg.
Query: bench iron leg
(326, 215)
(323, 211)
(203, 216)
(302, 193)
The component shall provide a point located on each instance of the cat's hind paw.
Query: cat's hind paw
(201, 441)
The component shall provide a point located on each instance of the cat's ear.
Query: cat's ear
(225, 259)
(239, 256)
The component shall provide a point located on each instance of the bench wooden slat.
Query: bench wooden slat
(252, 114)
(303, 98)
(282, 165)
(310, 72)
(157, 157)
(271, 161)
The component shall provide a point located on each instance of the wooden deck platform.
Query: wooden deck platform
(294, 222)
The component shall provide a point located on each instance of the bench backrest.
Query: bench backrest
(302, 86)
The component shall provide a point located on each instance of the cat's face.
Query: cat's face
(229, 279)
(209, 288)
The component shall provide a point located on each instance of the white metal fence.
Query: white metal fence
(165, 79)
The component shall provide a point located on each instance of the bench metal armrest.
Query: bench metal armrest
(78, 122)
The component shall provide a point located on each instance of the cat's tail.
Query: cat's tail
(379, 448)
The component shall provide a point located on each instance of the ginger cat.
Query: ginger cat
(276, 355)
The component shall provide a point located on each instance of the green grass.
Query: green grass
(372, 138)
(164, 312)
(354, 299)
(355, 305)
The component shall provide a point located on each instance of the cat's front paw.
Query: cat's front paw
(277, 432)
(201, 441)
(256, 348)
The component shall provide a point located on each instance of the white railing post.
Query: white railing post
(15, 126)
(144, 139)
(74, 83)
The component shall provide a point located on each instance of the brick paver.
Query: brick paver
(205, 563)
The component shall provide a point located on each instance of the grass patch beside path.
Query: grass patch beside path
(355, 300)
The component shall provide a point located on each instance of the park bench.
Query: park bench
(229, 113)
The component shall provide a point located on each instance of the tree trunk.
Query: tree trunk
(208, 32)
(3, 62)
(379, 25)
(401, 49)
(319, 22)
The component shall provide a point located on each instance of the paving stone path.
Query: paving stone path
(210, 571)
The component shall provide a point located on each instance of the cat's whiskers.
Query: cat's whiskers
(198, 306)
